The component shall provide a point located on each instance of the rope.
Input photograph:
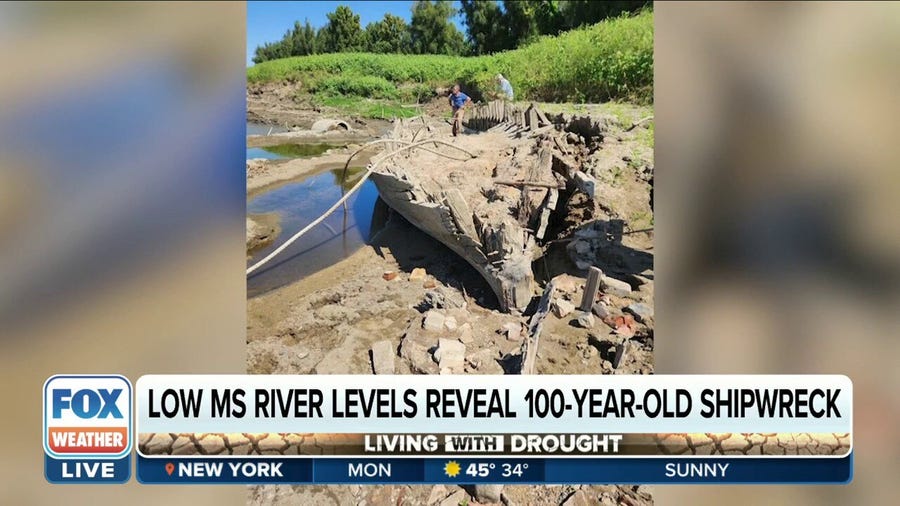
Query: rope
(369, 169)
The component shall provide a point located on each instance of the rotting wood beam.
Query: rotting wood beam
(535, 325)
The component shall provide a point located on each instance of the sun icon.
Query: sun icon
(452, 468)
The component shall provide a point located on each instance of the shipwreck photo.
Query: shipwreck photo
(473, 199)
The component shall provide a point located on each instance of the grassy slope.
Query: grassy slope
(612, 60)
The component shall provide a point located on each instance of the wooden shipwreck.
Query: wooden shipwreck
(493, 208)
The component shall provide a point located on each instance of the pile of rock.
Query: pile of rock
(441, 341)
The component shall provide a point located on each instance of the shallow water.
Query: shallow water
(297, 205)
(289, 151)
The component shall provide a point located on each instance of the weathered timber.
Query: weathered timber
(590, 289)
(585, 183)
(540, 184)
(535, 325)
(492, 210)
(548, 207)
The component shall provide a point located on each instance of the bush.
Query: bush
(611, 60)
(356, 85)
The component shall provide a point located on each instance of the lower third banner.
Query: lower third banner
(306, 470)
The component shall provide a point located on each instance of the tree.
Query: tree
(491, 28)
(432, 32)
(270, 51)
(390, 35)
(520, 20)
(575, 13)
(343, 32)
(486, 27)
(298, 41)
(303, 39)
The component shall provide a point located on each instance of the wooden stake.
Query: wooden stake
(590, 289)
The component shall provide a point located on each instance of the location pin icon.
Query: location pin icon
(170, 467)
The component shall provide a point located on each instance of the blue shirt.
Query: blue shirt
(506, 88)
(458, 101)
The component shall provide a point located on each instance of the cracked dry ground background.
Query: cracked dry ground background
(330, 322)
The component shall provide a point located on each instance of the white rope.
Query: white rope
(369, 169)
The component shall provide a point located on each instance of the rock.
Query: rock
(438, 493)
(579, 498)
(429, 284)
(487, 493)
(643, 312)
(601, 310)
(573, 138)
(450, 355)
(607, 500)
(615, 287)
(389, 275)
(450, 323)
(433, 321)
(624, 325)
(417, 274)
(566, 283)
(484, 361)
(439, 298)
(562, 308)
(383, 357)
(513, 331)
(582, 265)
(455, 499)
(418, 357)
(585, 320)
(465, 333)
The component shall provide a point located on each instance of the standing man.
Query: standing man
(458, 101)
(505, 87)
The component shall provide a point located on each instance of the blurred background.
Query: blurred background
(121, 212)
(122, 242)
(778, 244)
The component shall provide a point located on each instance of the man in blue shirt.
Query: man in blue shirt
(458, 101)
(505, 87)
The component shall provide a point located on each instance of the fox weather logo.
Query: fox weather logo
(87, 423)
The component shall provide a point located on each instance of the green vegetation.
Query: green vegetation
(430, 31)
(368, 108)
(611, 60)
(299, 150)
(489, 28)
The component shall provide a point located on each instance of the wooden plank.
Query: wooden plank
(621, 352)
(590, 289)
(460, 212)
(585, 183)
(520, 184)
(535, 325)
(543, 118)
(548, 207)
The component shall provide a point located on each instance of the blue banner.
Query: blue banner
(108, 471)
(310, 470)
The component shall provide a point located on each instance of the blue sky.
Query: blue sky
(267, 21)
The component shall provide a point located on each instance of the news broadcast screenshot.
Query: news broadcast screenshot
(406, 253)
